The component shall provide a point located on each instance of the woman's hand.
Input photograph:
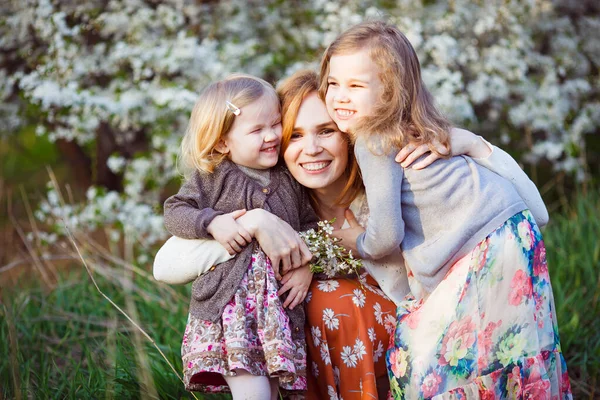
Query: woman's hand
(462, 142)
(349, 235)
(297, 282)
(280, 242)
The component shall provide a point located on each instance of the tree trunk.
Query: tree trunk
(79, 163)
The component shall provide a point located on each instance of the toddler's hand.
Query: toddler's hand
(297, 282)
(231, 235)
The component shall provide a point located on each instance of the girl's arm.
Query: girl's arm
(464, 142)
(383, 186)
(189, 215)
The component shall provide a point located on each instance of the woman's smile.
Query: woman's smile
(317, 154)
(315, 166)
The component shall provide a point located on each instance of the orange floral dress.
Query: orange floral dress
(348, 325)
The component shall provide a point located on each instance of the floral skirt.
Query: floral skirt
(348, 326)
(253, 334)
(489, 328)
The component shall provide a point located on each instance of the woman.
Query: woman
(347, 328)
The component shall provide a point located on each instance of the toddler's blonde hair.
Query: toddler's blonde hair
(211, 119)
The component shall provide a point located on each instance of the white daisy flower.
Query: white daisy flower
(390, 323)
(379, 352)
(358, 298)
(315, 369)
(378, 313)
(359, 349)
(325, 354)
(316, 335)
(330, 319)
(348, 357)
(308, 298)
(336, 376)
(332, 393)
(328, 285)
(372, 335)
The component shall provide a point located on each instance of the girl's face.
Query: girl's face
(317, 154)
(255, 136)
(353, 88)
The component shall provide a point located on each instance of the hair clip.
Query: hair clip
(232, 108)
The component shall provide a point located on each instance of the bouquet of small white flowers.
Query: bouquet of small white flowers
(329, 257)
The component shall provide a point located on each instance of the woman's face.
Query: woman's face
(317, 154)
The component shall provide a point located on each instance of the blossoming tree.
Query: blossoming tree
(112, 83)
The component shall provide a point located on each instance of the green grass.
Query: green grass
(70, 342)
(573, 251)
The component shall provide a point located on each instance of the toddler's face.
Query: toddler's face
(353, 88)
(255, 136)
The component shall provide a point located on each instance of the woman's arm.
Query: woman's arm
(504, 165)
(180, 261)
(279, 241)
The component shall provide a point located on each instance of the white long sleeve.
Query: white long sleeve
(501, 163)
(180, 261)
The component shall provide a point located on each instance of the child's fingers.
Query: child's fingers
(349, 215)
(418, 152)
(404, 152)
(284, 279)
(440, 148)
(235, 246)
(426, 161)
(229, 249)
(298, 298)
(239, 240)
(237, 213)
(285, 287)
(245, 235)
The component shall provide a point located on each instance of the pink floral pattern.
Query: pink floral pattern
(488, 331)
(254, 335)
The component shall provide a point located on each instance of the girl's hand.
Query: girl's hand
(280, 242)
(231, 235)
(462, 142)
(349, 235)
(297, 282)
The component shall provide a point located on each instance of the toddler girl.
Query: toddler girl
(481, 322)
(238, 333)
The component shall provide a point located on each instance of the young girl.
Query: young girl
(238, 333)
(482, 321)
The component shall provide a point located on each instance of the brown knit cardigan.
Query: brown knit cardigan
(205, 196)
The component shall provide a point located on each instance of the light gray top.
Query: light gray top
(436, 215)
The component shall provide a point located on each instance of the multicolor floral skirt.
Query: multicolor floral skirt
(488, 330)
(348, 326)
(253, 334)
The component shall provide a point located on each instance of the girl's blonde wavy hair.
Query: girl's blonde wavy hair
(292, 92)
(211, 120)
(406, 112)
